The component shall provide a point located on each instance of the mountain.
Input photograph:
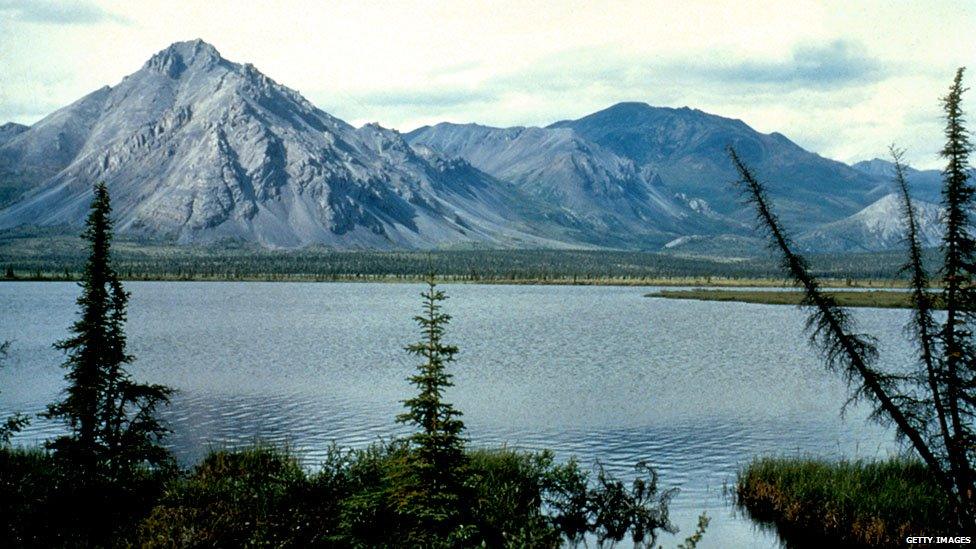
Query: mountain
(196, 148)
(924, 184)
(877, 167)
(687, 149)
(637, 168)
(10, 188)
(605, 193)
(199, 149)
(879, 226)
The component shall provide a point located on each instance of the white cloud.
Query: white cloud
(843, 79)
(60, 12)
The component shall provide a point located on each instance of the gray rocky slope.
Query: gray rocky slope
(196, 148)
(879, 226)
(605, 193)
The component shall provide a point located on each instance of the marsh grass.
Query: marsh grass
(877, 298)
(816, 503)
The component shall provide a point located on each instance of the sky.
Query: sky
(843, 79)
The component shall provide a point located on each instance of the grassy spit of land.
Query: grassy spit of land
(815, 503)
(875, 298)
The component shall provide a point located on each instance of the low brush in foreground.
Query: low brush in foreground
(819, 503)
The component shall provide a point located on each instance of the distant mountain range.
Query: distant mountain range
(195, 148)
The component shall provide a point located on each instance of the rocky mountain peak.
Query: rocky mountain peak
(195, 148)
(12, 127)
(879, 226)
(180, 56)
(876, 166)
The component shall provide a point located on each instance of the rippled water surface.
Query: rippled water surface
(696, 388)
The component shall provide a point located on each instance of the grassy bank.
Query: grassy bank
(881, 299)
(814, 503)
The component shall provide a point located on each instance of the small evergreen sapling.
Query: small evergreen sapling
(434, 495)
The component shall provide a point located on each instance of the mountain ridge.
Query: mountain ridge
(687, 149)
(197, 148)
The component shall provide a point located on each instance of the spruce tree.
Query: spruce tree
(930, 405)
(110, 418)
(435, 477)
(959, 293)
(833, 332)
(932, 408)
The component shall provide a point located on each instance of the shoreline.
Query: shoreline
(876, 298)
(704, 281)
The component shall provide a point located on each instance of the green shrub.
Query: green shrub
(261, 496)
(508, 489)
(44, 504)
(249, 497)
(368, 514)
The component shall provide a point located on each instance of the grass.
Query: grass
(842, 503)
(878, 299)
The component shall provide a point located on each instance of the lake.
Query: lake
(601, 373)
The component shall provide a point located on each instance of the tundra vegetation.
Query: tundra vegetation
(815, 503)
(930, 406)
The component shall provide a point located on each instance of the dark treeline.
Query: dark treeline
(39, 254)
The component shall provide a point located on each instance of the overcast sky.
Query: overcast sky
(844, 79)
